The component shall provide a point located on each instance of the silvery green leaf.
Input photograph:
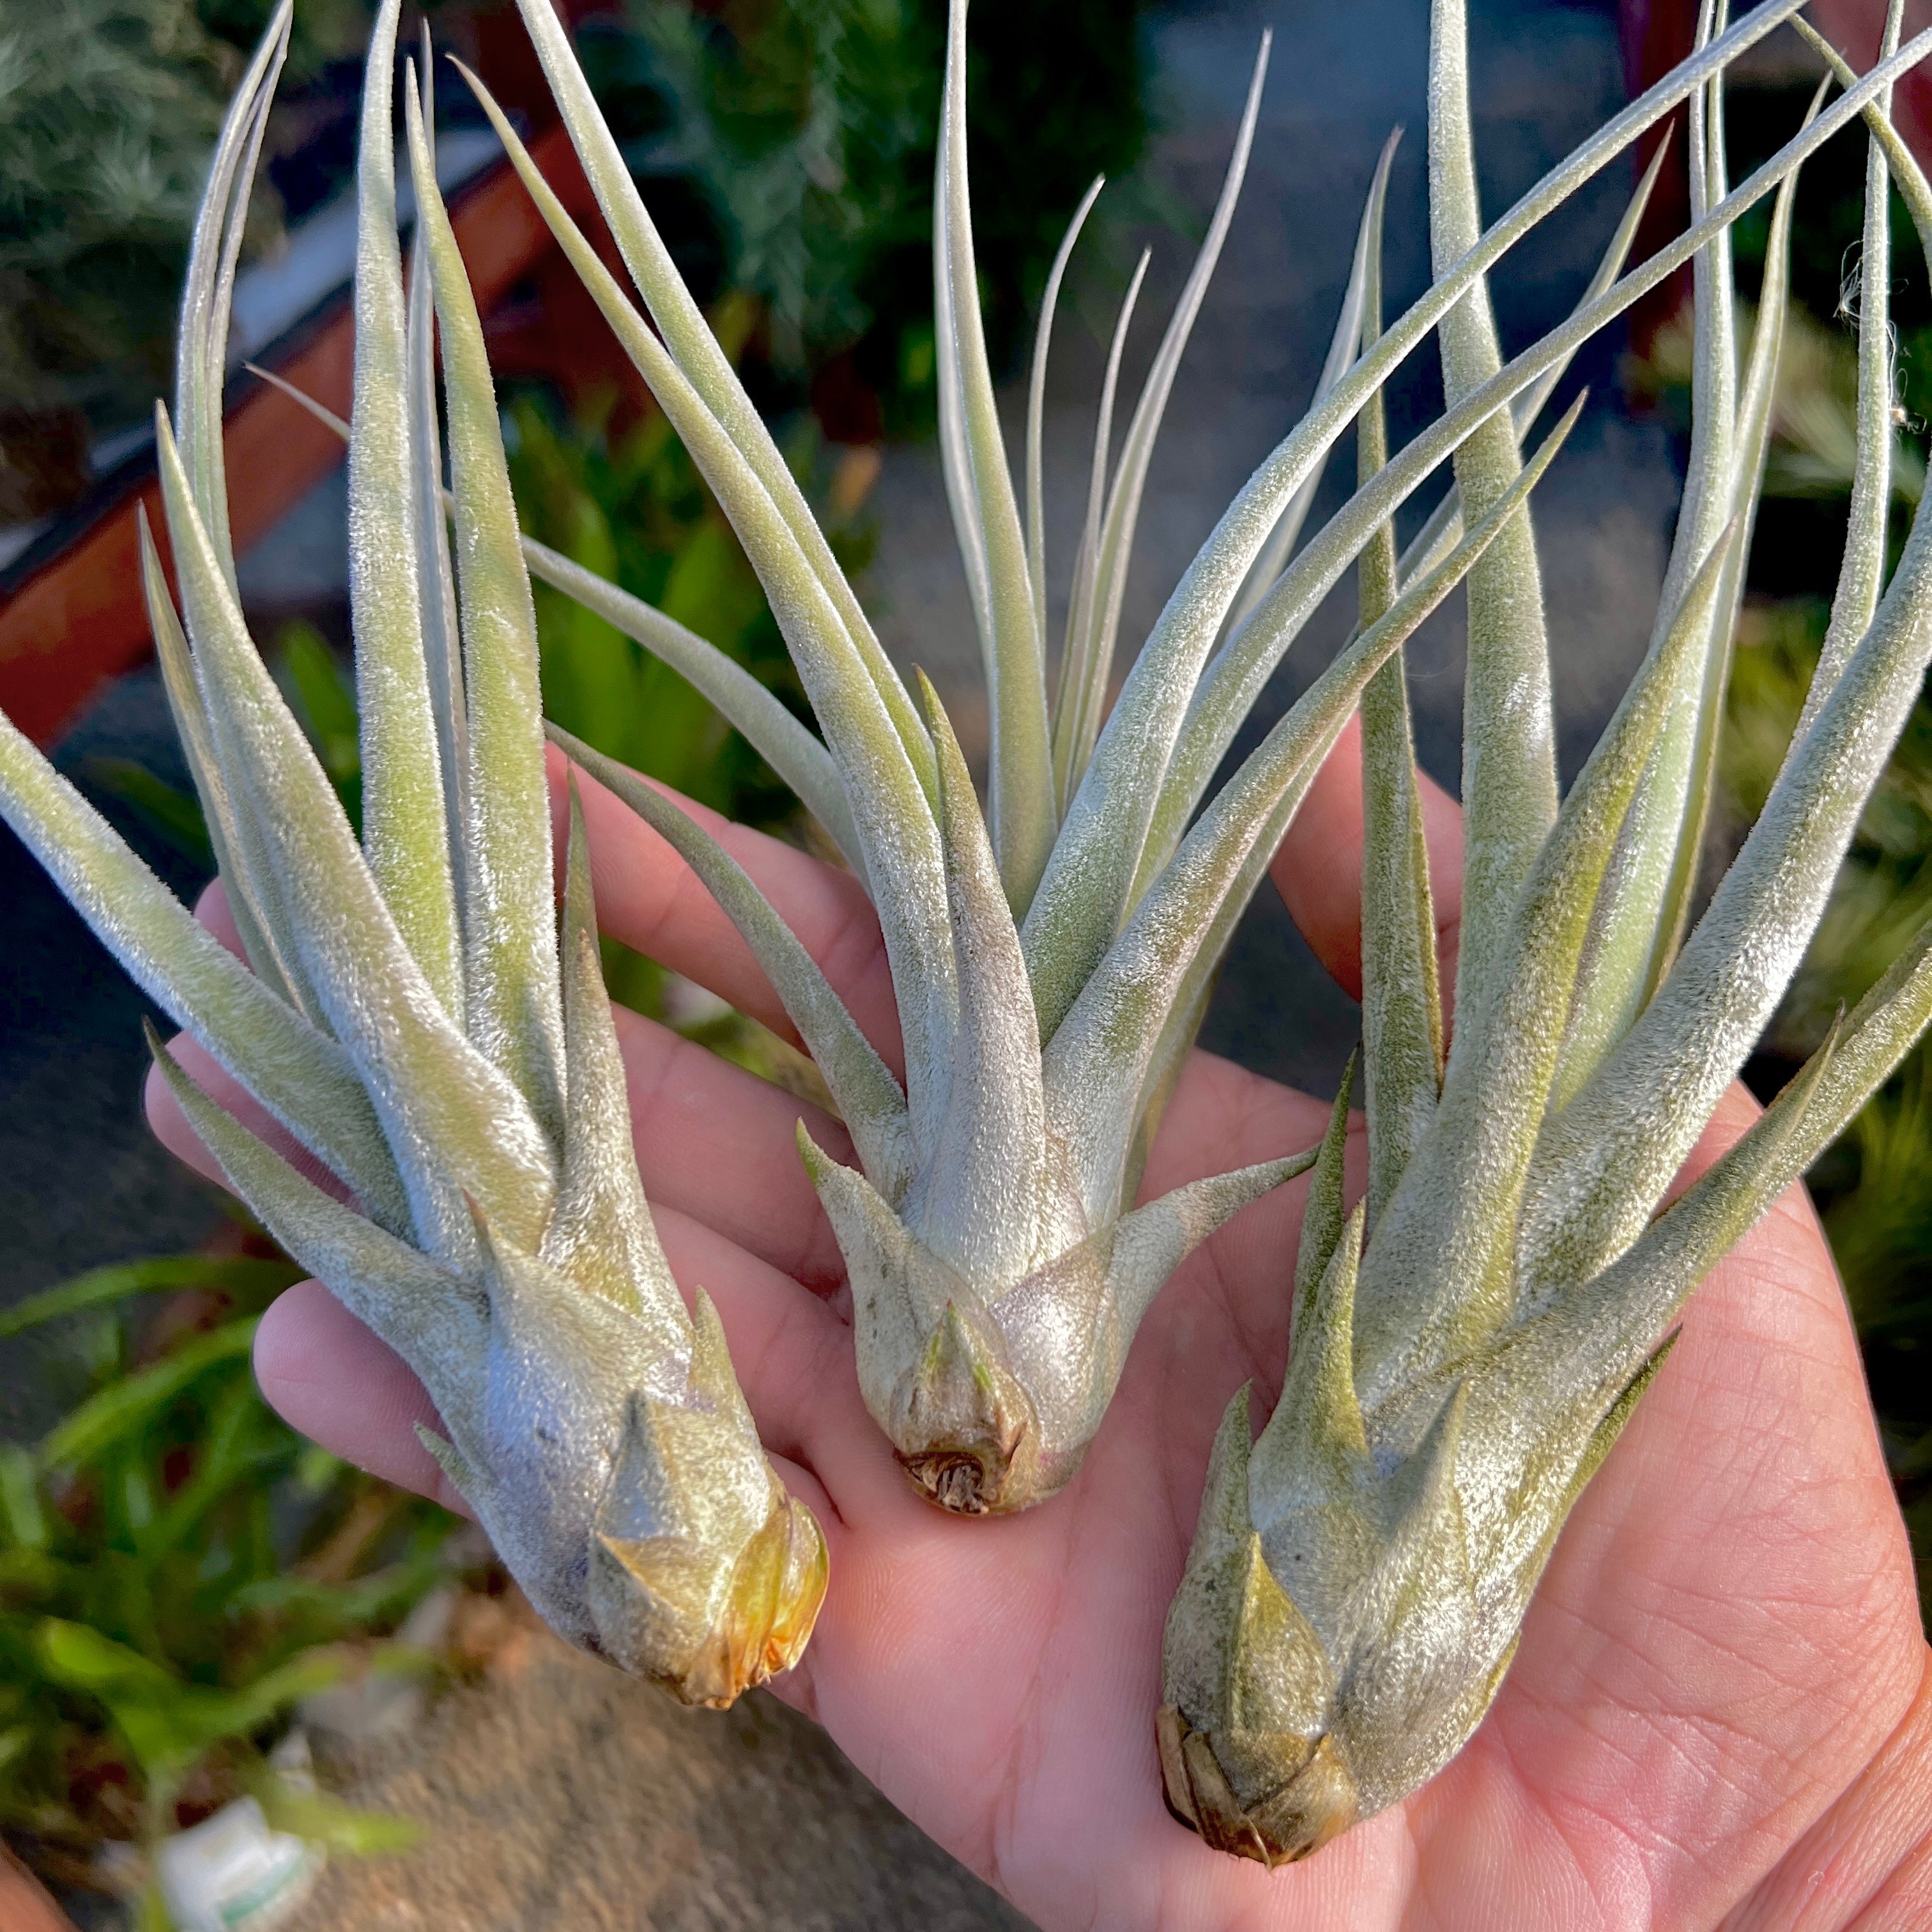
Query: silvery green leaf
(600, 1234)
(509, 1257)
(217, 808)
(1401, 1001)
(202, 344)
(1035, 493)
(1509, 742)
(1445, 523)
(429, 529)
(510, 997)
(1073, 729)
(1645, 903)
(405, 819)
(1461, 1195)
(1691, 1040)
(299, 1074)
(868, 1097)
(989, 1200)
(1861, 574)
(704, 364)
(1238, 674)
(1013, 646)
(1356, 1587)
(1098, 1061)
(749, 707)
(450, 1120)
(1906, 175)
(1635, 1297)
(421, 1309)
(1098, 854)
(1342, 346)
(892, 815)
(1323, 1213)
(791, 751)
(1640, 912)
(1089, 667)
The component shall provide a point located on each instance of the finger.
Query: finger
(719, 1143)
(328, 1377)
(794, 1360)
(170, 1126)
(213, 910)
(651, 900)
(1318, 869)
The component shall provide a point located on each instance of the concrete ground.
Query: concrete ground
(558, 1794)
(574, 1774)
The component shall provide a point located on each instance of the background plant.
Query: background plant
(178, 1569)
(809, 129)
(108, 109)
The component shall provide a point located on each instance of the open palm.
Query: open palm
(1719, 1705)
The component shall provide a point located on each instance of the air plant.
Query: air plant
(409, 1015)
(1051, 954)
(1469, 1343)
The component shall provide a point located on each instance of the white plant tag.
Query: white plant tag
(232, 1873)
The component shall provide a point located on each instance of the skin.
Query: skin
(1720, 1713)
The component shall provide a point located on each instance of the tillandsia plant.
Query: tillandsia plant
(1051, 953)
(409, 1013)
(1470, 1341)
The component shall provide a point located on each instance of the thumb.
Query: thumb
(1318, 869)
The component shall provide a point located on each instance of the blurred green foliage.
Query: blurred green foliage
(809, 126)
(178, 1569)
(108, 110)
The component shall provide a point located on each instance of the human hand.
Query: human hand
(1719, 1705)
